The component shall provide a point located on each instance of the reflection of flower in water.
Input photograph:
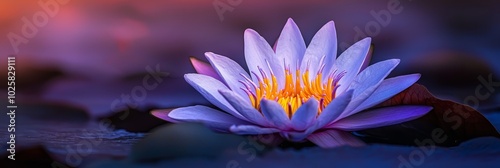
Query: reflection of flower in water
(298, 92)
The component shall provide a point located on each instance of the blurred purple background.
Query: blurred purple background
(92, 52)
(88, 61)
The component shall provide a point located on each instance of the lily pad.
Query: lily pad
(135, 120)
(448, 124)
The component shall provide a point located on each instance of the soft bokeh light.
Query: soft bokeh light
(119, 59)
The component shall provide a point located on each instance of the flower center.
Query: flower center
(298, 88)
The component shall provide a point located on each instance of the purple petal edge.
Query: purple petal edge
(204, 68)
(380, 117)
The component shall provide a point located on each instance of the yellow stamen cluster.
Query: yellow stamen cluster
(297, 89)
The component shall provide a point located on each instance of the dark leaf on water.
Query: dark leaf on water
(135, 120)
(448, 124)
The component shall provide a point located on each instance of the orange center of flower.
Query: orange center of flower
(298, 88)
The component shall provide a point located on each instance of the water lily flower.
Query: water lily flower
(297, 92)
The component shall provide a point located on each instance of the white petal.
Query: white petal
(275, 114)
(209, 87)
(244, 107)
(305, 115)
(372, 75)
(332, 111)
(381, 117)
(206, 115)
(324, 43)
(290, 46)
(258, 54)
(350, 62)
(230, 71)
(367, 82)
(387, 89)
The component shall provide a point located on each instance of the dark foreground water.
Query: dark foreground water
(73, 143)
(96, 144)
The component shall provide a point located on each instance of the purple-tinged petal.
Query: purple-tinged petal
(350, 62)
(332, 111)
(290, 46)
(305, 115)
(204, 68)
(324, 43)
(258, 54)
(334, 138)
(163, 114)
(244, 108)
(230, 71)
(251, 130)
(367, 82)
(372, 76)
(206, 115)
(275, 114)
(209, 87)
(380, 117)
(387, 89)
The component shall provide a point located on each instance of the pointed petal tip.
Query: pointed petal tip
(367, 41)
(290, 24)
(163, 114)
(428, 108)
(192, 58)
(190, 75)
(158, 112)
(290, 21)
(250, 31)
(204, 68)
(415, 76)
(194, 61)
(250, 34)
(207, 54)
(394, 61)
(331, 23)
(186, 76)
(397, 60)
(330, 26)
